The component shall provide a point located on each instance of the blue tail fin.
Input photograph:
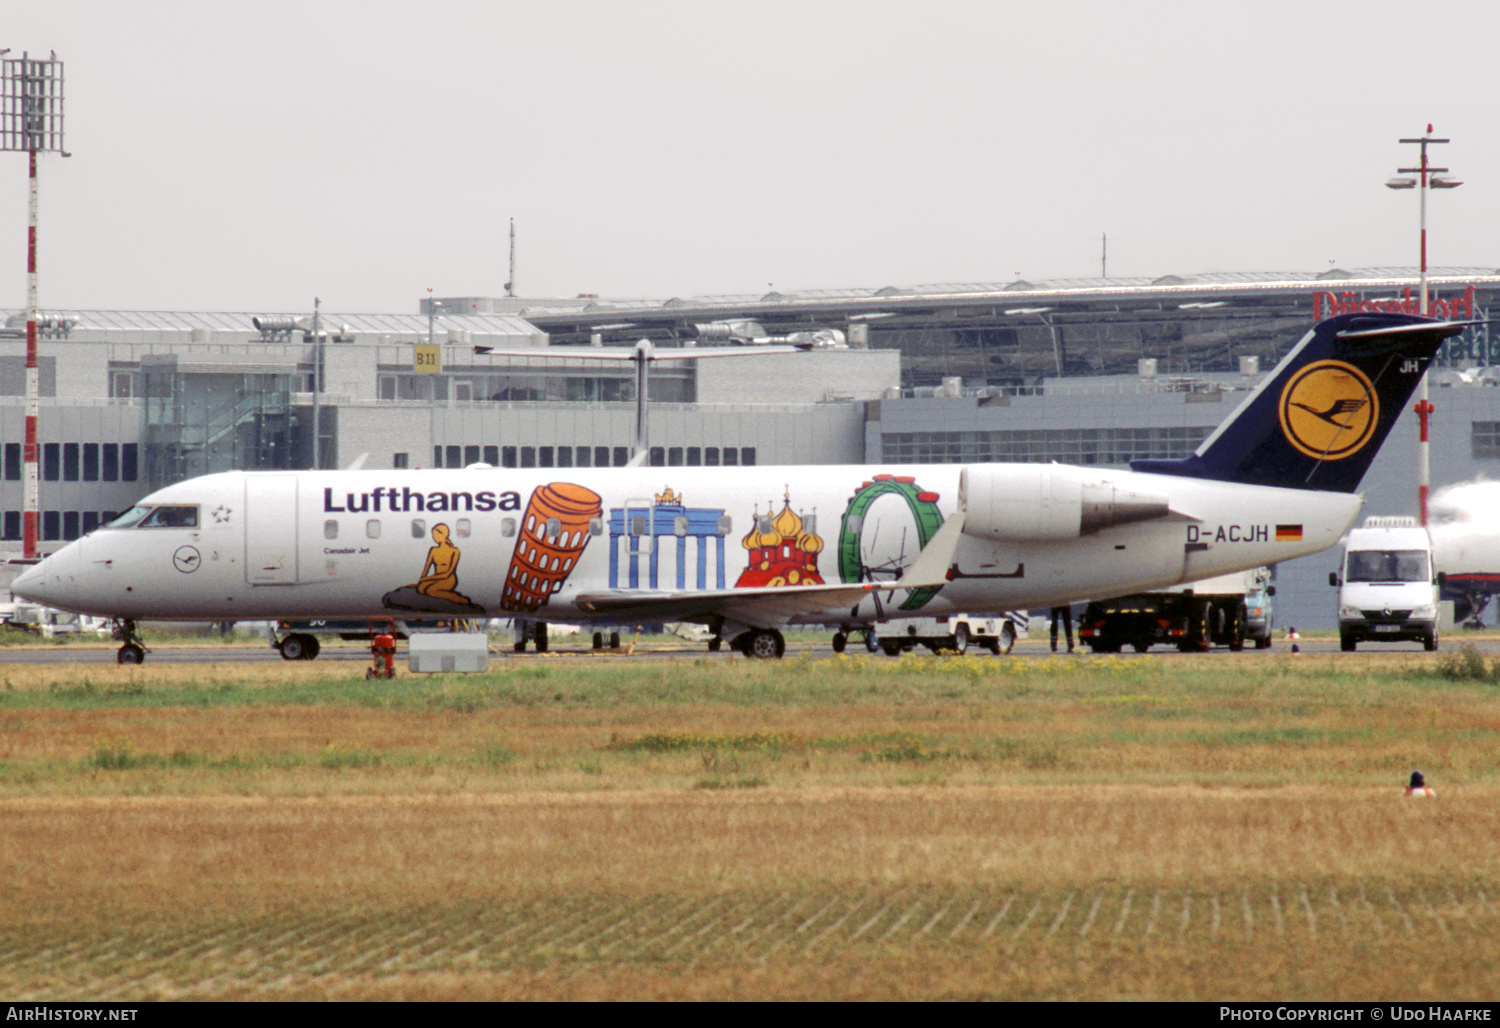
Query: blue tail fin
(1318, 420)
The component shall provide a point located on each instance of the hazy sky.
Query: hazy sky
(250, 156)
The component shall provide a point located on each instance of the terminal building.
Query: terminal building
(1089, 372)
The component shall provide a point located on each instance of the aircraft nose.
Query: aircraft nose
(29, 584)
(54, 581)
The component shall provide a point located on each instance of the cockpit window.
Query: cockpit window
(172, 517)
(130, 518)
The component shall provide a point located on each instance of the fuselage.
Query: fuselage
(528, 543)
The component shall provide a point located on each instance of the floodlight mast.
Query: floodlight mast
(1429, 178)
(31, 119)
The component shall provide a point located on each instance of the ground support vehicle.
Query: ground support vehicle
(1213, 612)
(299, 640)
(1259, 623)
(954, 633)
(1388, 591)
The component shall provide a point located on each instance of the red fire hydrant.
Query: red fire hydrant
(383, 649)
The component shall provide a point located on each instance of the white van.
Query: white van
(1388, 591)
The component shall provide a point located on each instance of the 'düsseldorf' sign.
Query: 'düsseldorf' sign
(1328, 304)
(1475, 345)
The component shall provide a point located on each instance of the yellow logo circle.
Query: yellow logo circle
(1329, 410)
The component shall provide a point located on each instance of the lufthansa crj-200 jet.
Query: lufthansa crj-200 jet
(750, 550)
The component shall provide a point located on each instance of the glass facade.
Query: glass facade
(201, 423)
(1484, 437)
(1040, 446)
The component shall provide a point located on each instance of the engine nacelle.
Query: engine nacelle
(1039, 502)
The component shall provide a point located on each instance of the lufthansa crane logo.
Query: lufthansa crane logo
(186, 559)
(1329, 410)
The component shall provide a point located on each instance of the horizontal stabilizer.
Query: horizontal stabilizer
(1318, 420)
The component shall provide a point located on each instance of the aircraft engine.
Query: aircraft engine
(1038, 502)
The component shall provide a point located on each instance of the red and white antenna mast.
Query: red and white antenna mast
(1428, 177)
(31, 119)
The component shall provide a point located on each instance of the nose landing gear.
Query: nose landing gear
(134, 649)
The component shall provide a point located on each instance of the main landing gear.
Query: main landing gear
(134, 651)
(299, 646)
(761, 643)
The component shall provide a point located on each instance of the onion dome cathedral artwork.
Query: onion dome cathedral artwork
(783, 549)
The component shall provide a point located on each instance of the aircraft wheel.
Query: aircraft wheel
(541, 637)
(1429, 643)
(1346, 643)
(840, 640)
(872, 640)
(614, 640)
(961, 639)
(598, 640)
(892, 648)
(765, 644)
(1141, 645)
(715, 644)
(130, 653)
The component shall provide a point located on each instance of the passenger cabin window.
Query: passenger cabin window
(596, 526)
(130, 518)
(172, 517)
(461, 528)
(330, 530)
(372, 528)
(507, 527)
(418, 528)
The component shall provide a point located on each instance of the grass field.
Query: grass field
(1219, 827)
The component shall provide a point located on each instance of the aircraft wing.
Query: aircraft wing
(770, 607)
(761, 607)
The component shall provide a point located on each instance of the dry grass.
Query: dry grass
(1222, 828)
(1023, 892)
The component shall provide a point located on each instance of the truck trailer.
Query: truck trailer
(1225, 611)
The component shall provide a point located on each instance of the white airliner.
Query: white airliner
(749, 551)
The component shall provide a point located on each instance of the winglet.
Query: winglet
(930, 569)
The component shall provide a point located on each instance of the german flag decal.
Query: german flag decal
(1288, 533)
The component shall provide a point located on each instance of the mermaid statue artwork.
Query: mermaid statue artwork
(436, 591)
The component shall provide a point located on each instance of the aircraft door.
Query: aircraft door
(271, 529)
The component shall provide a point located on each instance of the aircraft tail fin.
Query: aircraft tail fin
(1319, 418)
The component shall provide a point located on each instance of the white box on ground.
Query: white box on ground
(437, 652)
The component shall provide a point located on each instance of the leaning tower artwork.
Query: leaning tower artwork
(554, 531)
